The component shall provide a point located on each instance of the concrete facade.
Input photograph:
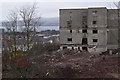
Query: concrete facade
(1, 36)
(91, 29)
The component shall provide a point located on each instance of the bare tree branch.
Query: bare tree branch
(30, 20)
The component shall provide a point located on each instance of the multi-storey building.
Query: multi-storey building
(90, 29)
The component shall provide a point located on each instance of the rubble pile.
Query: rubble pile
(72, 64)
(114, 51)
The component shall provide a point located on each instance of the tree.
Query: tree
(30, 20)
(11, 27)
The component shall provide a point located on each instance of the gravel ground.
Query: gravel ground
(85, 65)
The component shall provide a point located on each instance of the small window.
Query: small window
(94, 12)
(94, 22)
(84, 31)
(95, 31)
(69, 23)
(70, 13)
(69, 39)
(70, 31)
(95, 40)
(78, 48)
(84, 23)
(84, 17)
(84, 41)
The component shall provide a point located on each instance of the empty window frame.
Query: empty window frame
(84, 22)
(72, 48)
(69, 23)
(70, 13)
(84, 31)
(95, 31)
(94, 22)
(84, 18)
(69, 39)
(70, 31)
(95, 40)
(94, 12)
(78, 48)
(84, 48)
(84, 41)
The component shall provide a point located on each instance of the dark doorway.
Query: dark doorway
(64, 47)
(84, 41)
(70, 31)
(84, 48)
(72, 48)
(78, 48)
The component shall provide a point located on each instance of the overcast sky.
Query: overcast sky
(51, 8)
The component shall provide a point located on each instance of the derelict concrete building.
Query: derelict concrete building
(91, 29)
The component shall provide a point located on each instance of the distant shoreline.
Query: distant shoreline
(44, 28)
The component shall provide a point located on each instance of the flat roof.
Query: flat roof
(82, 8)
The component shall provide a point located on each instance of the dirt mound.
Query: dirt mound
(84, 65)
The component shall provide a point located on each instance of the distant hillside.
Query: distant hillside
(44, 22)
(50, 21)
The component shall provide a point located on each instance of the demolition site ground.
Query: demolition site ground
(72, 64)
